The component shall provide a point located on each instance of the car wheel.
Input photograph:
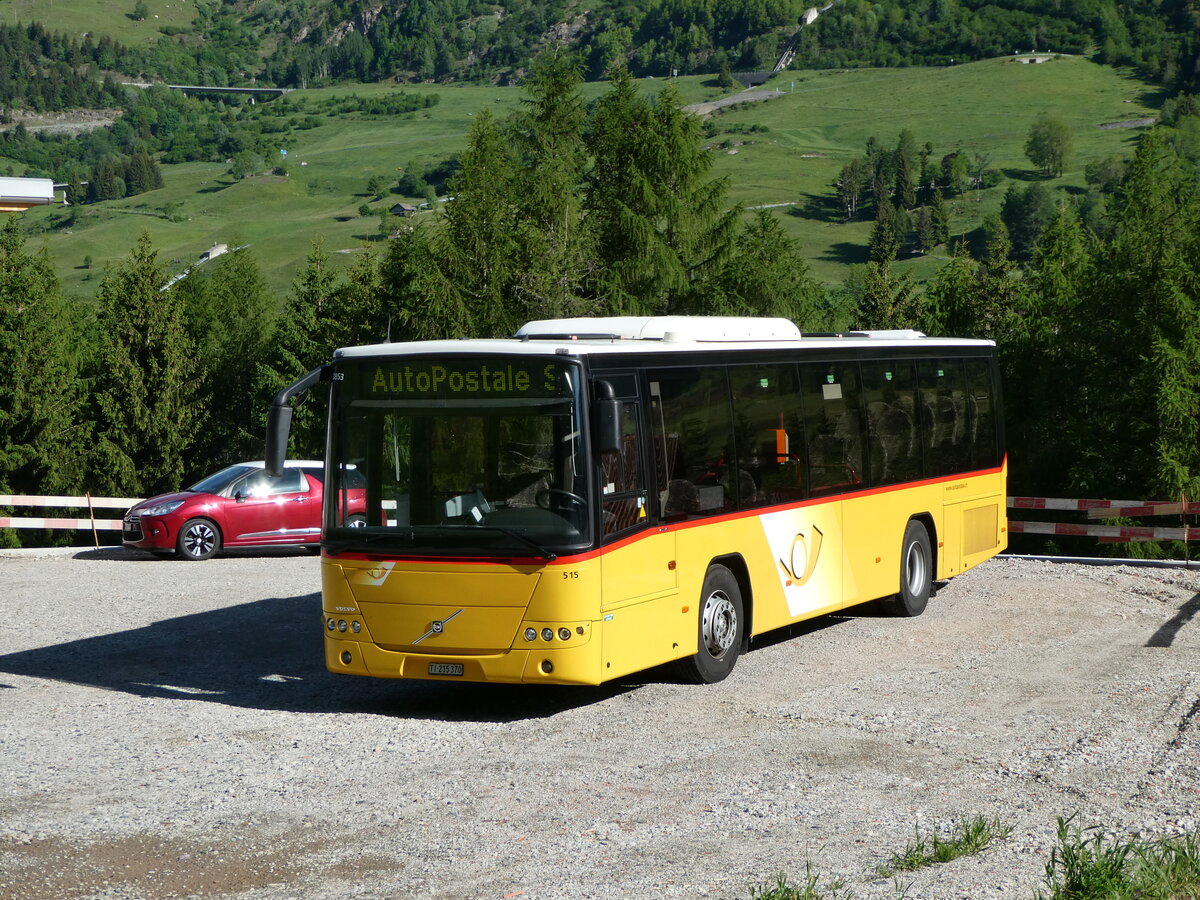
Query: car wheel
(721, 626)
(916, 571)
(356, 521)
(198, 539)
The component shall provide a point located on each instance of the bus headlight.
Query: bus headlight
(531, 634)
(547, 634)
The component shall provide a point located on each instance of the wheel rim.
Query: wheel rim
(718, 624)
(914, 568)
(199, 540)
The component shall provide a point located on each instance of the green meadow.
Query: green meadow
(819, 122)
(101, 17)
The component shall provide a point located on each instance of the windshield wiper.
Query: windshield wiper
(545, 553)
(362, 536)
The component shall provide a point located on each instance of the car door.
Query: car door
(265, 510)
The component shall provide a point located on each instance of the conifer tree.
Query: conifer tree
(1052, 343)
(143, 377)
(422, 302)
(230, 314)
(885, 243)
(480, 243)
(357, 315)
(767, 276)
(939, 218)
(1149, 340)
(694, 221)
(41, 428)
(549, 143)
(888, 301)
(950, 296)
(297, 346)
(635, 267)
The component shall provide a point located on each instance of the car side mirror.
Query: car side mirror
(239, 496)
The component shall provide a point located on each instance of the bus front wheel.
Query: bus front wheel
(916, 571)
(721, 627)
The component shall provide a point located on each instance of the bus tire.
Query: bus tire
(198, 539)
(916, 571)
(721, 627)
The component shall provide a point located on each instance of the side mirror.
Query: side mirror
(606, 419)
(279, 418)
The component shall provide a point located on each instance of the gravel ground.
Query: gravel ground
(169, 730)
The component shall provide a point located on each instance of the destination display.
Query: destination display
(462, 379)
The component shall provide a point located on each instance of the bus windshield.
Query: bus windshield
(460, 456)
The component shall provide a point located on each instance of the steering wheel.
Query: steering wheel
(543, 498)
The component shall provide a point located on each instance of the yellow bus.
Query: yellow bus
(596, 497)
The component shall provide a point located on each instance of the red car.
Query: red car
(240, 506)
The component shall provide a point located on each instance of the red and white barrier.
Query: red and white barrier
(87, 502)
(98, 524)
(1073, 505)
(1117, 534)
(1107, 509)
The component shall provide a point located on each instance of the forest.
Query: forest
(567, 208)
(300, 43)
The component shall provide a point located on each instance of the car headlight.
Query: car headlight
(160, 509)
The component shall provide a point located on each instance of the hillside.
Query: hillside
(818, 122)
(311, 44)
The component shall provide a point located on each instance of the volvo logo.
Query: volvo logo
(437, 626)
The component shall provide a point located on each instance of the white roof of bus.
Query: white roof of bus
(624, 334)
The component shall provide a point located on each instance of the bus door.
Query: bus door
(638, 562)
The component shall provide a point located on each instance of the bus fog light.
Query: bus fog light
(356, 627)
(547, 666)
(564, 634)
(342, 626)
(531, 634)
(547, 634)
(346, 657)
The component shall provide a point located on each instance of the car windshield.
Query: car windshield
(470, 456)
(218, 481)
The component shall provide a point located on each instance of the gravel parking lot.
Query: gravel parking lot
(169, 730)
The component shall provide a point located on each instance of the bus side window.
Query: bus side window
(984, 444)
(893, 436)
(943, 415)
(693, 441)
(832, 426)
(770, 442)
(624, 503)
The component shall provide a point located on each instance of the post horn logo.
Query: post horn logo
(802, 559)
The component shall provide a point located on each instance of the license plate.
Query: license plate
(445, 669)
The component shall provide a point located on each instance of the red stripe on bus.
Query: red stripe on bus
(663, 528)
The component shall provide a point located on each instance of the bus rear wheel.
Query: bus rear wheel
(721, 628)
(916, 571)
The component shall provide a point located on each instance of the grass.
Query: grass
(812, 132)
(969, 836)
(101, 17)
(811, 889)
(823, 122)
(1081, 867)
(1091, 868)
